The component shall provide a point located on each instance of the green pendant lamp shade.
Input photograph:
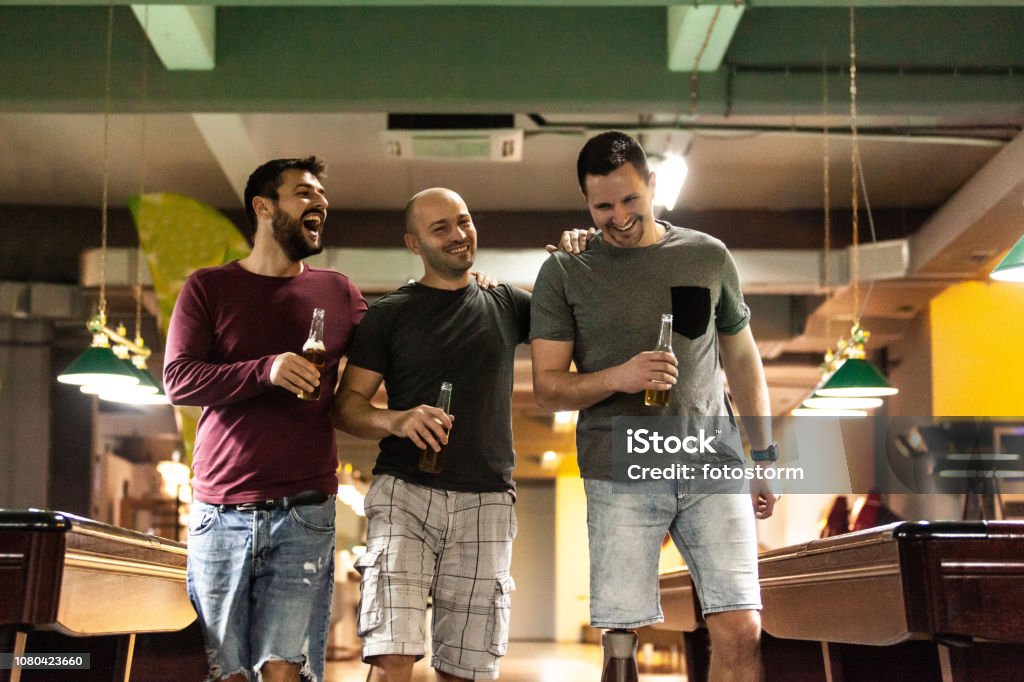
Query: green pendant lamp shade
(856, 378)
(1011, 268)
(98, 366)
(146, 383)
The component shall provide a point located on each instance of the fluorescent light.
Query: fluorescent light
(670, 174)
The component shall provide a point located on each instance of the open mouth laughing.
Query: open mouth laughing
(313, 222)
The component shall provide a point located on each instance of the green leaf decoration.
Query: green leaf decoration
(179, 235)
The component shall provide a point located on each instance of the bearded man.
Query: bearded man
(261, 530)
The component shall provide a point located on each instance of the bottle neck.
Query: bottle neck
(316, 329)
(444, 398)
(665, 336)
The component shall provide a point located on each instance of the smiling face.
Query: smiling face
(621, 205)
(441, 232)
(299, 214)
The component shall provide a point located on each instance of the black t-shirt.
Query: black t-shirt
(417, 337)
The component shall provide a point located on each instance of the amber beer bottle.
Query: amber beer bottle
(660, 398)
(315, 351)
(431, 461)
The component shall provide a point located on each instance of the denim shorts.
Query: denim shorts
(713, 531)
(455, 547)
(261, 582)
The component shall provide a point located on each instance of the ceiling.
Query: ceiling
(940, 109)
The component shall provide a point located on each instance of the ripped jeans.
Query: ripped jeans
(261, 582)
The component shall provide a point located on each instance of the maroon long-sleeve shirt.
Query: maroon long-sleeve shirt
(257, 441)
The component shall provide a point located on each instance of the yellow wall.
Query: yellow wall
(572, 558)
(978, 350)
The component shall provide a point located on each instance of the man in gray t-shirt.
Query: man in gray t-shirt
(601, 309)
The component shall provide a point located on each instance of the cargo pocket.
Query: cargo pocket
(691, 311)
(370, 611)
(498, 639)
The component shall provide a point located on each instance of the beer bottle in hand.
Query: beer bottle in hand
(431, 461)
(315, 351)
(660, 398)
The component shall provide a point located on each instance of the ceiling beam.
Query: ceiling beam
(982, 218)
(183, 36)
(533, 64)
(699, 36)
(230, 143)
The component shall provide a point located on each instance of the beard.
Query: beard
(290, 236)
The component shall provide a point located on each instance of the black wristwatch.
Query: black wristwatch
(769, 454)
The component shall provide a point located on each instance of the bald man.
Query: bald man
(447, 535)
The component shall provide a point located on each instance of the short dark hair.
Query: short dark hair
(265, 180)
(607, 152)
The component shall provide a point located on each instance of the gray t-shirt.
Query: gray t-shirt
(609, 301)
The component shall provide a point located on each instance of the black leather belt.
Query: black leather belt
(306, 497)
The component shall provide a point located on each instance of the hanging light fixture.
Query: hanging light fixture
(98, 366)
(144, 383)
(857, 378)
(147, 391)
(848, 375)
(851, 375)
(135, 353)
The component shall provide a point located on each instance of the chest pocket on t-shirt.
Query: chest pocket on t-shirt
(691, 311)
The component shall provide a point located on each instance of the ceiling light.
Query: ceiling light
(670, 174)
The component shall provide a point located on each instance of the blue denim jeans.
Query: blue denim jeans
(261, 582)
(713, 531)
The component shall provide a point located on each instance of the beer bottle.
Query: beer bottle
(660, 398)
(431, 461)
(315, 351)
